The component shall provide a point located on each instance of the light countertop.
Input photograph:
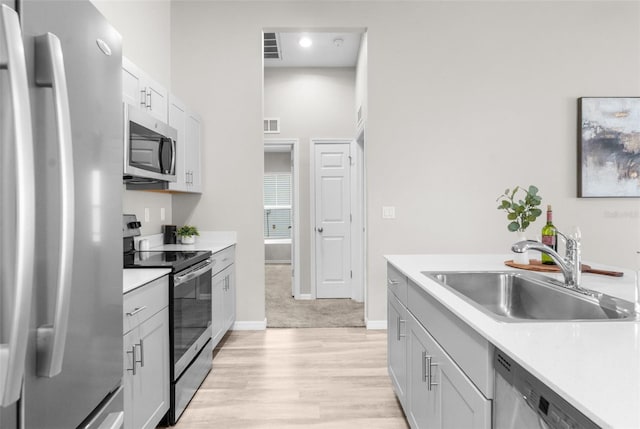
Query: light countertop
(208, 240)
(594, 365)
(133, 278)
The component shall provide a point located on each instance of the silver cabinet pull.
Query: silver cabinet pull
(149, 106)
(13, 353)
(136, 310)
(141, 345)
(143, 98)
(400, 334)
(132, 352)
(425, 371)
(50, 72)
(391, 282)
(430, 364)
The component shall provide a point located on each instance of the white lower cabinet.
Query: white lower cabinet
(397, 346)
(146, 355)
(433, 389)
(440, 394)
(223, 290)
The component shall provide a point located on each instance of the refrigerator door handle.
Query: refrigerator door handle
(20, 286)
(50, 72)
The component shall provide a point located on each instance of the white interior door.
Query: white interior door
(333, 220)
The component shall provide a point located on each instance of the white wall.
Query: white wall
(464, 100)
(145, 29)
(311, 103)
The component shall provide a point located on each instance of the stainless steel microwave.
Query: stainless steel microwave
(149, 149)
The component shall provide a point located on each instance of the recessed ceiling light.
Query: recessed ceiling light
(305, 42)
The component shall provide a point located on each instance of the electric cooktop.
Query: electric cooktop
(176, 260)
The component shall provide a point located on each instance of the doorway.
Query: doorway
(281, 214)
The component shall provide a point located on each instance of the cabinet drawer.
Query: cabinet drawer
(467, 348)
(397, 283)
(223, 259)
(143, 302)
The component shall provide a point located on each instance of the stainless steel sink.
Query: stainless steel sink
(515, 297)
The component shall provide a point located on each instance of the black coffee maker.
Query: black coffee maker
(169, 232)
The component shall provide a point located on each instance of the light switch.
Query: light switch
(146, 214)
(162, 213)
(388, 212)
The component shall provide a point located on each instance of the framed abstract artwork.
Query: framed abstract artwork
(609, 147)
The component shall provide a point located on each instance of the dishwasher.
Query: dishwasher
(521, 401)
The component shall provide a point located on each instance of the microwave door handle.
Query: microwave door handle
(20, 285)
(173, 156)
(160, 152)
(50, 72)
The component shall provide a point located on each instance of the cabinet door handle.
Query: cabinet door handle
(149, 106)
(143, 98)
(425, 371)
(141, 345)
(391, 282)
(399, 324)
(133, 359)
(429, 365)
(136, 310)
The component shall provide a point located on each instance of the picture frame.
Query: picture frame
(608, 147)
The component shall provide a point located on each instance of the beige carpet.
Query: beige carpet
(285, 312)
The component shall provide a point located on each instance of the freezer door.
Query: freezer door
(74, 356)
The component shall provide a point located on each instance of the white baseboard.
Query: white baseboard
(304, 296)
(376, 324)
(249, 325)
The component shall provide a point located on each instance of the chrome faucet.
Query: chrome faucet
(570, 265)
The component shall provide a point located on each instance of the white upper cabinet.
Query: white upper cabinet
(188, 125)
(193, 147)
(140, 90)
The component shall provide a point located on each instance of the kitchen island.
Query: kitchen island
(594, 365)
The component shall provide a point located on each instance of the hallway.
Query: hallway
(285, 312)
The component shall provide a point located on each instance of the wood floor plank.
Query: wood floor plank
(330, 378)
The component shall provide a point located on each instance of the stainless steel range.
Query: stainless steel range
(189, 312)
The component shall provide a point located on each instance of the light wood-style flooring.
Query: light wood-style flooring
(297, 378)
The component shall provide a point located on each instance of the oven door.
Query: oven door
(191, 314)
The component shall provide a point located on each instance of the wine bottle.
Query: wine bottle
(549, 237)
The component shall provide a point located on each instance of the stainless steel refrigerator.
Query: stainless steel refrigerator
(60, 216)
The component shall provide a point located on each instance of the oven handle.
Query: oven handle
(177, 280)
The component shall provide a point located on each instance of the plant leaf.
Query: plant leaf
(513, 226)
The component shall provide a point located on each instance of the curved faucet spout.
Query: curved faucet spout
(569, 266)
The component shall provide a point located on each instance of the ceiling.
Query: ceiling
(335, 49)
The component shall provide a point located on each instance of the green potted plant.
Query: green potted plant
(521, 212)
(187, 234)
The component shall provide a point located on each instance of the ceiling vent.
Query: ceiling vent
(271, 47)
(271, 125)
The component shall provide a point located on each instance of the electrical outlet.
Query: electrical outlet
(146, 214)
(388, 212)
(162, 216)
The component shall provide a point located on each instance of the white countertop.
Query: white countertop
(135, 277)
(208, 240)
(595, 366)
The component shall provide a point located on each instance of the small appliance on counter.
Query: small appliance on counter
(169, 232)
(190, 330)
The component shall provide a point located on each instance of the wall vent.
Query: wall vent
(271, 125)
(271, 46)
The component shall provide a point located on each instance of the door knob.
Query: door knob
(320, 230)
